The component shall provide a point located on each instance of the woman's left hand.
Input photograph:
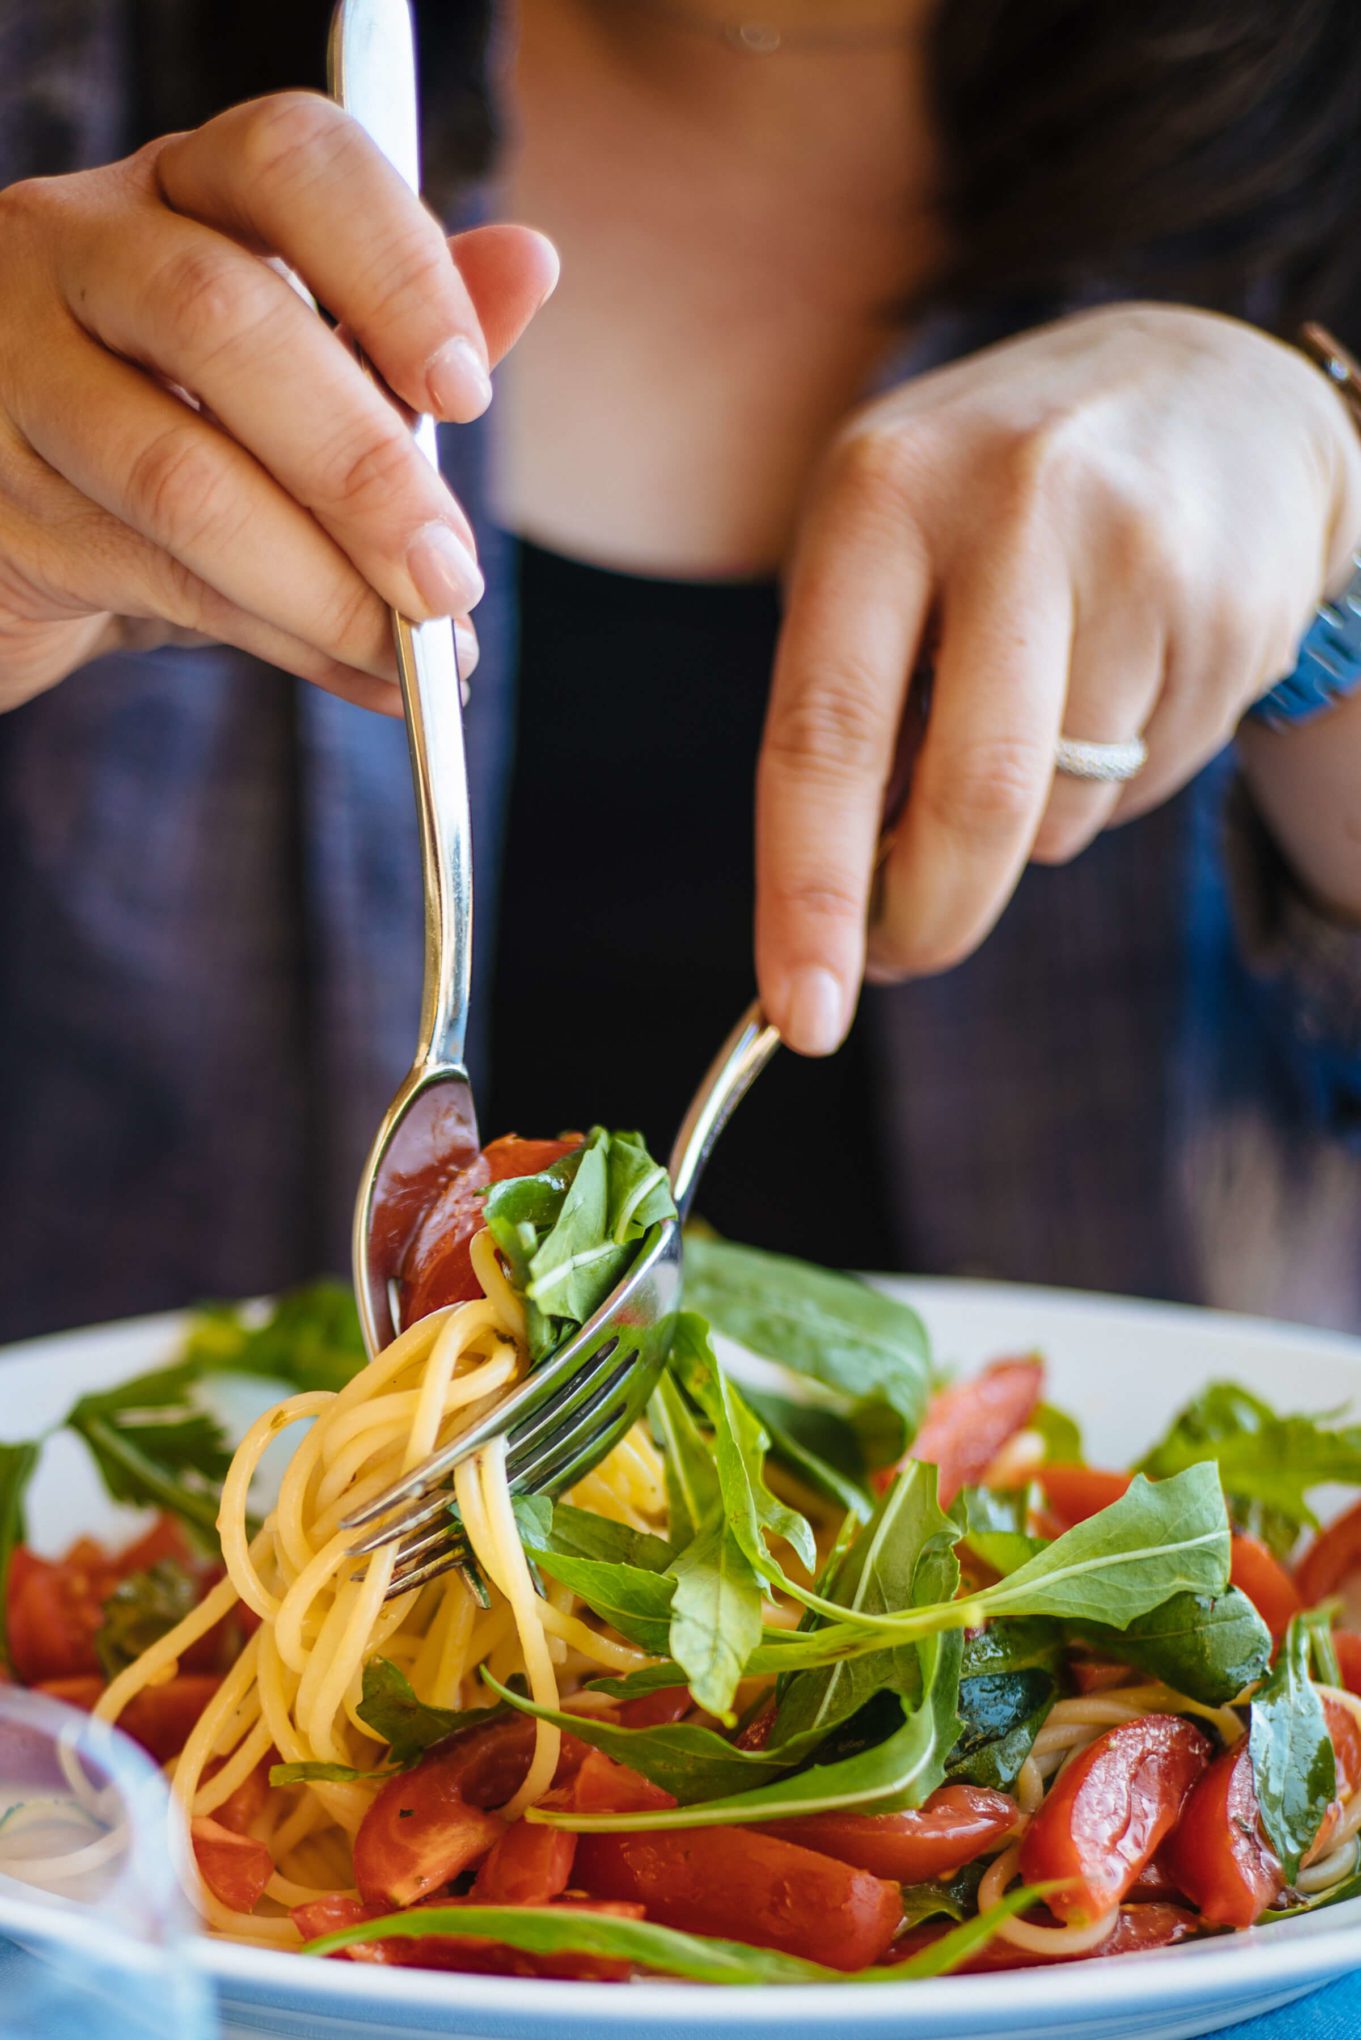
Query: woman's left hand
(1116, 525)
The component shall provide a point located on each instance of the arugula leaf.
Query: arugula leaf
(903, 1555)
(154, 1447)
(1002, 1713)
(18, 1464)
(754, 1514)
(633, 1600)
(955, 1898)
(572, 1231)
(715, 1616)
(1268, 1463)
(1293, 1764)
(830, 1328)
(310, 1339)
(700, 1958)
(692, 1492)
(1159, 1539)
(995, 1522)
(140, 1610)
(1061, 1434)
(1209, 1648)
(581, 1533)
(407, 1725)
(327, 1774)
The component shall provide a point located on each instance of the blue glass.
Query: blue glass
(96, 1929)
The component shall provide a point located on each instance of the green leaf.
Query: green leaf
(684, 1758)
(1061, 1434)
(995, 1530)
(141, 1609)
(903, 1555)
(155, 1448)
(632, 1600)
(310, 1339)
(830, 1328)
(699, 1958)
(1009, 1681)
(955, 1898)
(754, 1514)
(819, 1445)
(1207, 1647)
(1293, 1764)
(1158, 1540)
(18, 1464)
(692, 1493)
(1322, 1649)
(409, 1727)
(715, 1616)
(1269, 1464)
(581, 1533)
(572, 1231)
(327, 1774)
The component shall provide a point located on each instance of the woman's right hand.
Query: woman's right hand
(283, 505)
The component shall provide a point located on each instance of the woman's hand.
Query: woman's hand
(1115, 525)
(187, 451)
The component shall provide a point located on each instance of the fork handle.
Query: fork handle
(729, 1077)
(372, 68)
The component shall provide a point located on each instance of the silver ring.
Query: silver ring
(1110, 763)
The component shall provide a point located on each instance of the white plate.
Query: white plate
(1122, 1368)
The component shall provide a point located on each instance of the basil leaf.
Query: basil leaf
(1157, 1540)
(326, 1774)
(833, 1329)
(885, 1569)
(1293, 1765)
(700, 1958)
(18, 1464)
(686, 1759)
(715, 1616)
(692, 1493)
(753, 1513)
(1002, 1713)
(1209, 1648)
(1268, 1463)
(140, 1610)
(310, 1339)
(572, 1231)
(407, 1725)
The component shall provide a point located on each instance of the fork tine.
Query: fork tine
(448, 1560)
(413, 1519)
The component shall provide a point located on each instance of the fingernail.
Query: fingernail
(446, 575)
(466, 646)
(815, 1012)
(459, 385)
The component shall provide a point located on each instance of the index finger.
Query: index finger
(856, 609)
(293, 175)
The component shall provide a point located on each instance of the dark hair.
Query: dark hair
(1208, 150)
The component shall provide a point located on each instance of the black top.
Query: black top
(625, 953)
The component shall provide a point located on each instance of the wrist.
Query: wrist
(1306, 783)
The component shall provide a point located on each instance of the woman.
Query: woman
(1113, 525)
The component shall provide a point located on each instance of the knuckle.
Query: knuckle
(178, 492)
(352, 626)
(830, 732)
(874, 465)
(1043, 463)
(207, 299)
(822, 896)
(292, 135)
(989, 788)
(359, 478)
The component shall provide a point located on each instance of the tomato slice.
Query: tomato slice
(656, 1710)
(527, 1865)
(956, 1825)
(967, 1425)
(1076, 1492)
(603, 1786)
(1347, 1644)
(1217, 1853)
(1138, 1928)
(748, 1886)
(234, 1868)
(1106, 1815)
(1098, 1675)
(55, 1609)
(160, 1718)
(1332, 1564)
(431, 1823)
(1256, 1572)
(437, 1268)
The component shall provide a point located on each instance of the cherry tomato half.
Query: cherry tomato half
(1265, 1581)
(967, 1425)
(1076, 1492)
(437, 1268)
(957, 1824)
(1332, 1564)
(431, 1823)
(234, 1868)
(1217, 1853)
(1106, 1814)
(526, 1865)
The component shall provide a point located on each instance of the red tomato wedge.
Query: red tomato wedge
(160, 1718)
(55, 1610)
(967, 1425)
(1106, 1815)
(1265, 1581)
(525, 1866)
(1347, 1644)
(1332, 1564)
(431, 1823)
(437, 1268)
(234, 1868)
(1217, 1853)
(957, 1824)
(603, 1786)
(749, 1887)
(1076, 1492)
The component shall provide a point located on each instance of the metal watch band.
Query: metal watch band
(1328, 665)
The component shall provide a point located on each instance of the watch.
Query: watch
(1328, 664)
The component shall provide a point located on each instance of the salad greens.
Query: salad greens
(1293, 1765)
(570, 1232)
(140, 1610)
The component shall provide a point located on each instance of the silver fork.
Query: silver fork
(429, 1131)
(565, 1416)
